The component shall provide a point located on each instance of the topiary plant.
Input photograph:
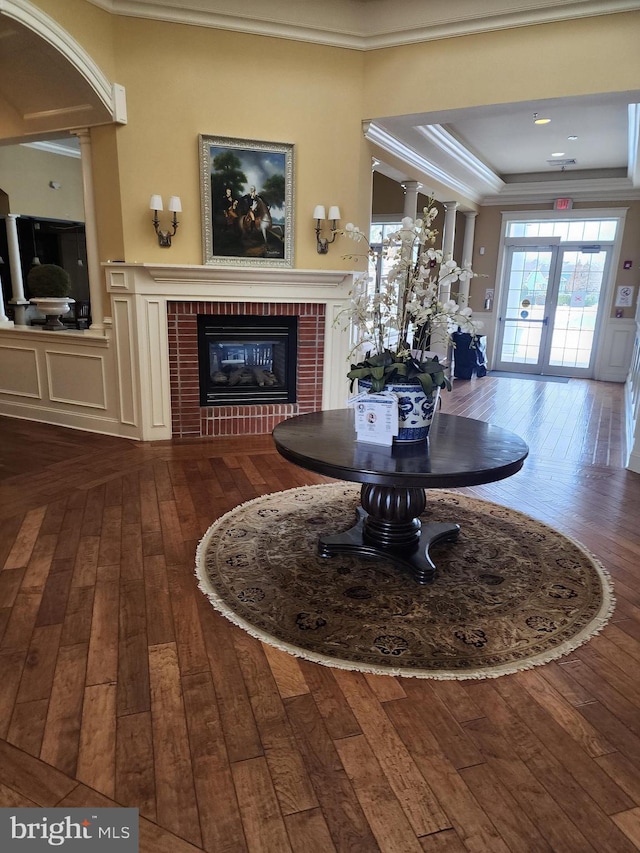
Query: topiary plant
(48, 281)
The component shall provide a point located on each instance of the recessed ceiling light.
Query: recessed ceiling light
(558, 154)
(572, 138)
(537, 120)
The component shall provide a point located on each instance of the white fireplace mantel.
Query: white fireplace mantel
(139, 295)
(199, 281)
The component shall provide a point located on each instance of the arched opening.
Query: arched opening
(50, 89)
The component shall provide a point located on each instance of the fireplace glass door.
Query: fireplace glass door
(246, 360)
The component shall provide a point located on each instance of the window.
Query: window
(569, 231)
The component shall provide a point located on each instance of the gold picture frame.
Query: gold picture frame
(247, 190)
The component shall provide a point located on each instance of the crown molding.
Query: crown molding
(587, 189)
(54, 148)
(485, 23)
(447, 143)
(392, 145)
(355, 30)
(242, 21)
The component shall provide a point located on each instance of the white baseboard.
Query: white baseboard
(72, 420)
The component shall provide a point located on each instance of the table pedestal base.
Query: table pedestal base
(388, 527)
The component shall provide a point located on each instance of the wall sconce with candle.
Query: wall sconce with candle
(175, 207)
(322, 243)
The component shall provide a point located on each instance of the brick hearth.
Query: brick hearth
(189, 419)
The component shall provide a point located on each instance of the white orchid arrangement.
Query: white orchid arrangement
(396, 321)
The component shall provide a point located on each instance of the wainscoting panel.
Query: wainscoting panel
(632, 400)
(158, 379)
(77, 379)
(19, 373)
(66, 378)
(125, 364)
(615, 351)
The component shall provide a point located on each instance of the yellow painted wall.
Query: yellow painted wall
(25, 174)
(107, 182)
(184, 81)
(90, 26)
(388, 197)
(569, 58)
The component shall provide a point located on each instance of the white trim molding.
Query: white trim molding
(65, 378)
(53, 147)
(587, 189)
(359, 26)
(633, 168)
(632, 402)
(394, 146)
(483, 186)
(446, 142)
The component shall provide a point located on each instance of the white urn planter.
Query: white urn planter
(53, 308)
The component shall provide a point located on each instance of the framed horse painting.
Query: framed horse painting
(247, 202)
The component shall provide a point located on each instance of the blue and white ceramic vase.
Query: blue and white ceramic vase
(416, 409)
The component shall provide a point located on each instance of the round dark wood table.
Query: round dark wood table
(459, 452)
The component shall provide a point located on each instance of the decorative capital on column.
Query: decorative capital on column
(411, 197)
(450, 205)
(470, 214)
(82, 133)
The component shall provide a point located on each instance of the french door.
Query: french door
(550, 308)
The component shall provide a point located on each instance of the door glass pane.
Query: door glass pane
(526, 297)
(581, 278)
(521, 343)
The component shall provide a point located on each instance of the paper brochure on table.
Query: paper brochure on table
(376, 417)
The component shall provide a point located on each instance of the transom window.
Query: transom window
(569, 231)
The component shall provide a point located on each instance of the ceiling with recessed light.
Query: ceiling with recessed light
(497, 154)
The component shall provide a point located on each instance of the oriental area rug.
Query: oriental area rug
(510, 594)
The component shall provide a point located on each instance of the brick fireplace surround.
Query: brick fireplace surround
(189, 419)
(154, 334)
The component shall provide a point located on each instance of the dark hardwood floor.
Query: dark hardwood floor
(120, 684)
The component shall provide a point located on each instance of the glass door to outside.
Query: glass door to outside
(549, 313)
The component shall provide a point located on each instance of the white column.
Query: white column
(17, 300)
(94, 269)
(448, 238)
(411, 198)
(449, 229)
(467, 254)
(4, 320)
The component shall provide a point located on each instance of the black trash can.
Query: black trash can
(469, 355)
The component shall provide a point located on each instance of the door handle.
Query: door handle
(545, 320)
